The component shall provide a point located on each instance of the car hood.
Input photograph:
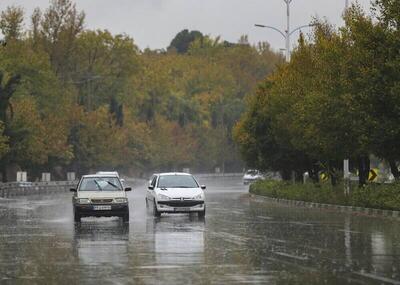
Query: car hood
(180, 192)
(101, 194)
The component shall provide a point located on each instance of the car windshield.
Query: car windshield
(100, 184)
(177, 181)
(252, 172)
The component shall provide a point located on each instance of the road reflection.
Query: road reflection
(178, 239)
(102, 241)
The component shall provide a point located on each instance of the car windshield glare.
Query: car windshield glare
(100, 184)
(177, 181)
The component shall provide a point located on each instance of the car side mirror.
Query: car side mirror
(128, 189)
(72, 190)
(151, 187)
(204, 187)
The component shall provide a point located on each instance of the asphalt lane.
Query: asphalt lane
(242, 240)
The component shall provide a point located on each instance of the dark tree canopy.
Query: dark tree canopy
(181, 42)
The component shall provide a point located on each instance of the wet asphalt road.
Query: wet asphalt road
(242, 240)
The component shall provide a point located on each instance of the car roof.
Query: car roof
(108, 172)
(100, 175)
(174, 173)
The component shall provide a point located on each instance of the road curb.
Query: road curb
(351, 209)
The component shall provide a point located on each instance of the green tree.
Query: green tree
(56, 32)
(183, 40)
(11, 23)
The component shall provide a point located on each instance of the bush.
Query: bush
(385, 197)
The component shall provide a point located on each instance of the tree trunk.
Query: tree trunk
(363, 170)
(394, 169)
(299, 176)
(286, 174)
(334, 178)
(313, 172)
(333, 173)
(3, 172)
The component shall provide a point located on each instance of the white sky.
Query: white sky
(153, 23)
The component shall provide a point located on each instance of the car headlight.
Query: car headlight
(162, 197)
(198, 197)
(121, 200)
(84, 201)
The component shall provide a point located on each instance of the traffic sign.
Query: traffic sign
(324, 176)
(373, 175)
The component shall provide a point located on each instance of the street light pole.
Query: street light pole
(287, 33)
(287, 29)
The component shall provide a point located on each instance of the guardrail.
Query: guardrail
(211, 175)
(12, 189)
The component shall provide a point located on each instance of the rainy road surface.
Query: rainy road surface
(242, 240)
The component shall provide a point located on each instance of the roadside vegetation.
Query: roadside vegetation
(385, 197)
(338, 98)
(74, 99)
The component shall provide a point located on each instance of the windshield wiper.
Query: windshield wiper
(98, 185)
(112, 184)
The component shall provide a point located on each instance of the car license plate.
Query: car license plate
(102, 207)
(181, 209)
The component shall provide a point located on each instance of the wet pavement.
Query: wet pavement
(242, 240)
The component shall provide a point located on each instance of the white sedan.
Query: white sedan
(251, 176)
(175, 193)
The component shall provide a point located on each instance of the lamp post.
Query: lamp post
(287, 33)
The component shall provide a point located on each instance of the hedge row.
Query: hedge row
(377, 196)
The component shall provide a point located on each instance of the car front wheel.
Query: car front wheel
(202, 214)
(77, 217)
(125, 217)
(156, 212)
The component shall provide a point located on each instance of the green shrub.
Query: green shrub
(386, 197)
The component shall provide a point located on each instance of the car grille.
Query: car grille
(181, 203)
(101, 201)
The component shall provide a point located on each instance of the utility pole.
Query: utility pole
(287, 33)
(347, 4)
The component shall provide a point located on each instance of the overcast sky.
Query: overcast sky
(153, 23)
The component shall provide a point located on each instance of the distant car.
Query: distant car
(251, 176)
(111, 173)
(175, 193)
(100, 196)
